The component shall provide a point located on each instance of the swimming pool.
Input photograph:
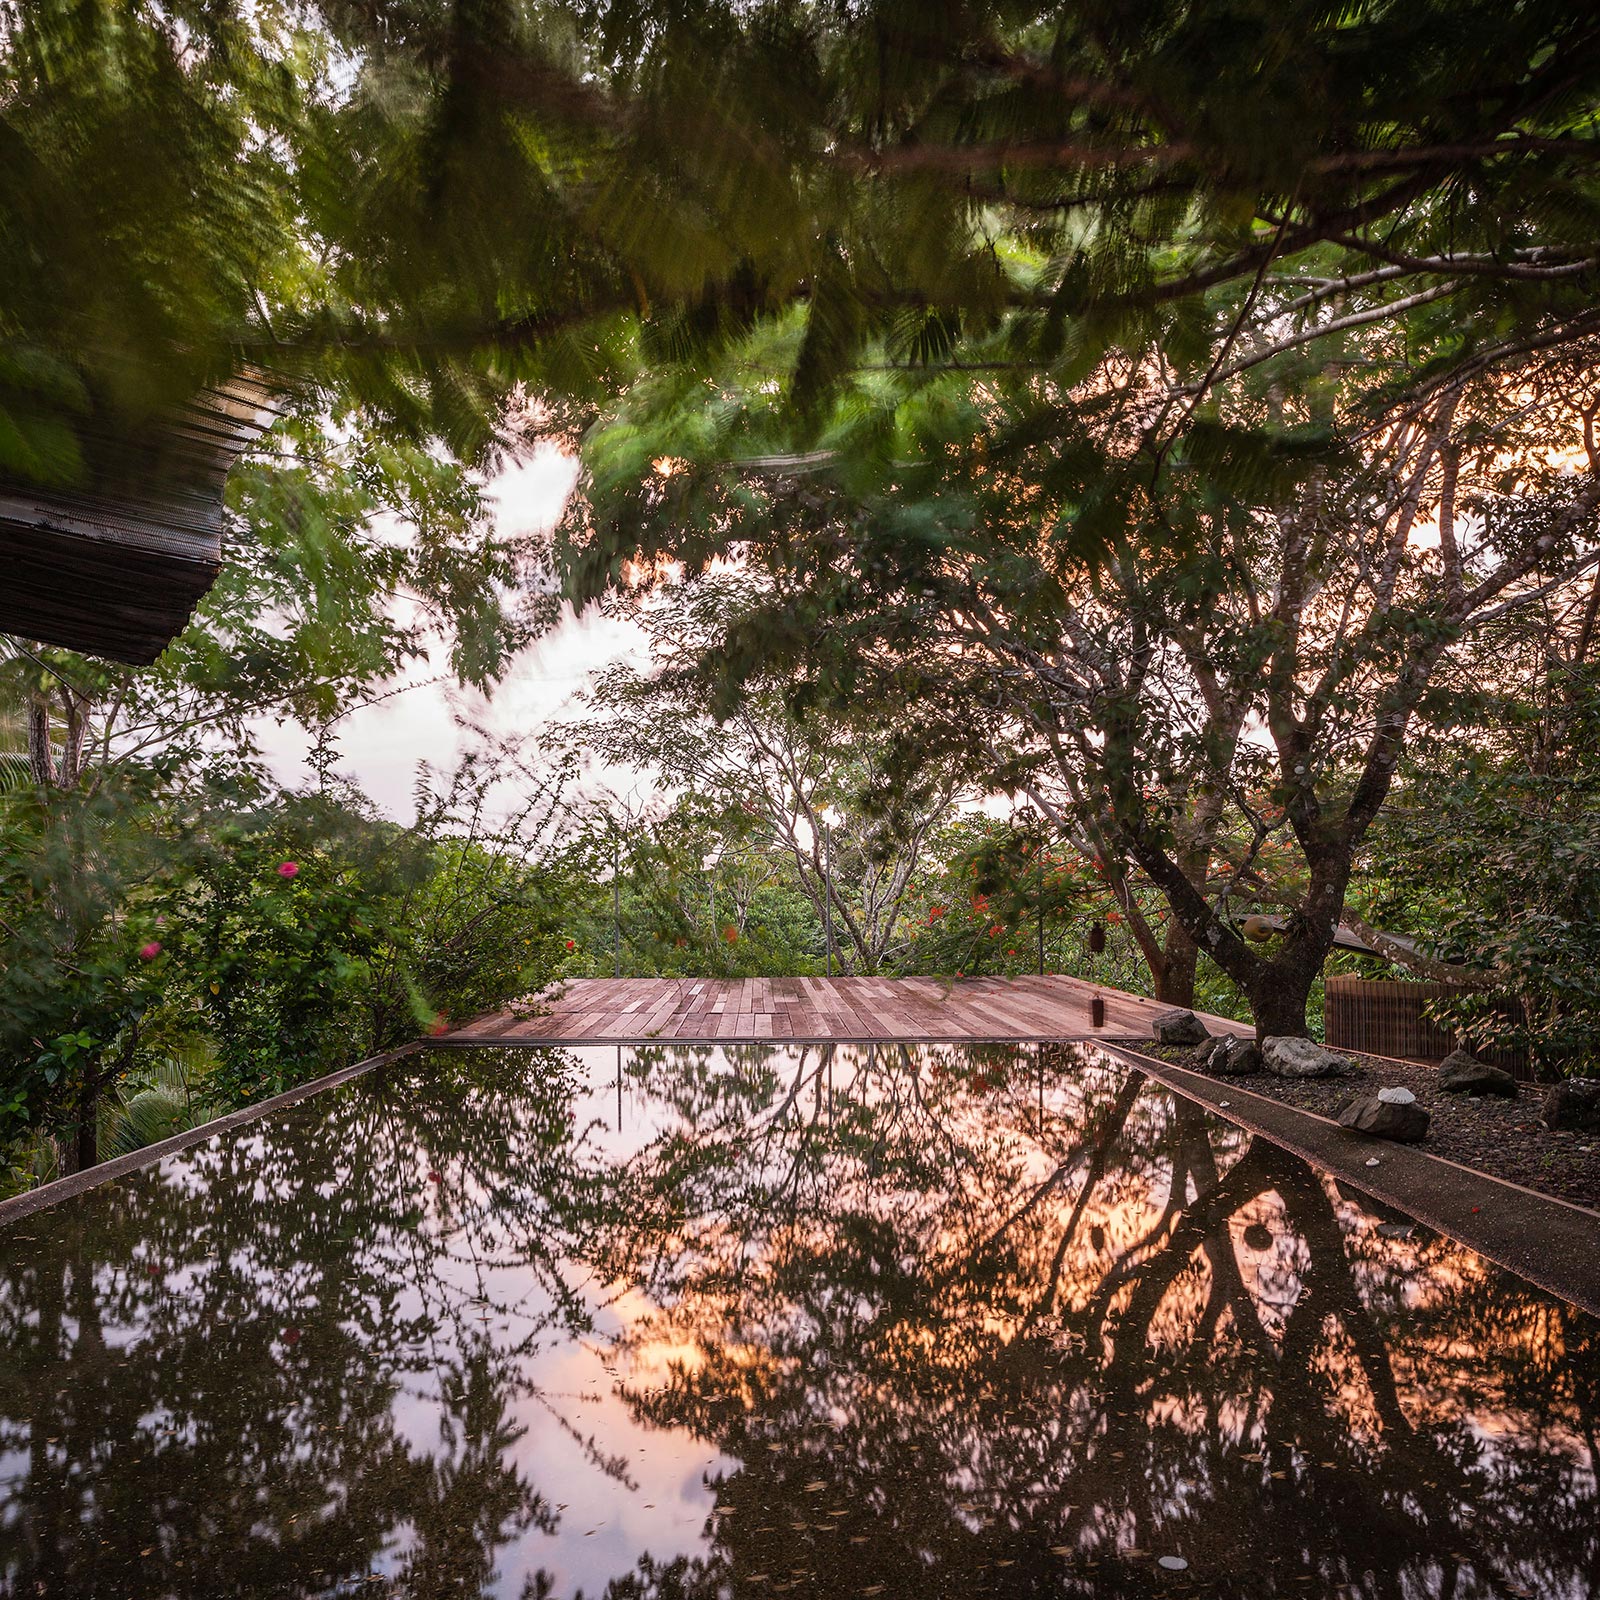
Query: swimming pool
(679, 1322)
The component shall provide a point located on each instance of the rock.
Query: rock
(1234, 1057)
(1211, 1047)
(1301, 1058)
(1384, 1119)
(1397, 1097)
(1463, 1073)
(1573, 1105)
(1178, 1027)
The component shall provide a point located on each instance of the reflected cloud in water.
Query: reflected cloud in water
(668, 1322)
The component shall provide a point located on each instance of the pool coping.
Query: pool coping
(1550, 1242)
(59, 1189)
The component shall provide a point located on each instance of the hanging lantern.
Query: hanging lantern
(1097, 938)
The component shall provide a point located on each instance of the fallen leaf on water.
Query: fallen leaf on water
(816, 1486)
(1061, 1549)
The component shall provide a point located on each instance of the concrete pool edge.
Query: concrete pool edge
(53, 1193)
(1552, 1243)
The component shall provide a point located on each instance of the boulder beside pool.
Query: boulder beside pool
(1229, 1056)
(1303, 1058)
(1388, 1114)
(1461, 1072)
(1573, 1106)
(1178, 1027)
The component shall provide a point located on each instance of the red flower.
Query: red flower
(150, 951)
(290, 1336)
(935, 911)
(435, 1175)
(439, 1025)
(571, 945)
(288, 869)
(1113, 916)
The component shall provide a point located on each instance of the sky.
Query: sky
(425, 717)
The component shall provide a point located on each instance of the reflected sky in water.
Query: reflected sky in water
(682, 1323)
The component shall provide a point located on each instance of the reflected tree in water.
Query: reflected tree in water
(205, 1362)
(981, 1321)
(1026, 1348)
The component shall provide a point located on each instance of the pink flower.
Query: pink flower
(150, 951)
(288, 869)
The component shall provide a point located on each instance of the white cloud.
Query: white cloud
(423, 716)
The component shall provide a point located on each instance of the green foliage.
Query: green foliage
(1492, 855)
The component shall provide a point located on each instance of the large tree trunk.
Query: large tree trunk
(1280, 993)
(1174, 977)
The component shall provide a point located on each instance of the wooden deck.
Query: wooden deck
(746, 1009)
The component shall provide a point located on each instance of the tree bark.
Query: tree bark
(1174, 979)
(1279, 996)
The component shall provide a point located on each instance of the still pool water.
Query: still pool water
(673, 1324)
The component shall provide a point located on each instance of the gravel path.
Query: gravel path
(1504, 1138)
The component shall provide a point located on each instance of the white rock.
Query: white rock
(1172, 1563)
(1301, 1058)
(1372, 1161)
(1397, 1097)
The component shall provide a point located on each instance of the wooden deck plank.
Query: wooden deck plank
(1050, 1007)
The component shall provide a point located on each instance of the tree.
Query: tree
(1489, 850)
(1219, 705)
(851, 818)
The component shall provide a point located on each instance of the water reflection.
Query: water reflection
(688, 1323)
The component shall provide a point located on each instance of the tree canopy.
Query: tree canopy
(1162, 412)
